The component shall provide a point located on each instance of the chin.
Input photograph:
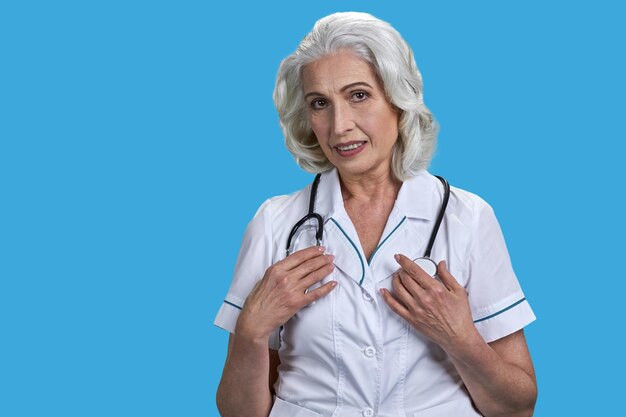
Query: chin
(360, 168)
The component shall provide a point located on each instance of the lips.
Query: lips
(349, 148)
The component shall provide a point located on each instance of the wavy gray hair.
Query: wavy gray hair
(378, 43)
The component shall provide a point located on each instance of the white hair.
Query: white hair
(380, 45)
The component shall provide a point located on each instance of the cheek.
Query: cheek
(382, 123)
(319, 127)
(384, 135)
(391, 132)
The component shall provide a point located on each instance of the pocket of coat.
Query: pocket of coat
(284, 409)
(461, 407)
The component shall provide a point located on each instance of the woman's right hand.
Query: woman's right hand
(283, 291)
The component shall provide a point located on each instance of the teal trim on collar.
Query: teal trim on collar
(369, 262)
(501, 311)
(231, 304)
(355, 248)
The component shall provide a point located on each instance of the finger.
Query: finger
(306, 268)
(320, 292)
(446, 277)
(422, 278)
(297, 258)
(410, 283)
(316, 276)
(395, 305)
(401, 292)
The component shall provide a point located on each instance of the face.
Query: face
(353, 121)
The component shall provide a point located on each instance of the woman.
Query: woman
(354, 326)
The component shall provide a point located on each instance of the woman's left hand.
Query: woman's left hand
(437, 309)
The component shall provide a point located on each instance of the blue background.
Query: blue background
(137, 140)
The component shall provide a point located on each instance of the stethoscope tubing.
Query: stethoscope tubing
(320, 221)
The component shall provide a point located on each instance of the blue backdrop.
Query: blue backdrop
(137, 140)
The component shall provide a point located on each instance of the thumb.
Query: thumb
(446, 277)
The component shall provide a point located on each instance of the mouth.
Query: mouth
(349, 148)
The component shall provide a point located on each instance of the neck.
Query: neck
(369, 187)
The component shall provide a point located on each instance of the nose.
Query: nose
(343, 119)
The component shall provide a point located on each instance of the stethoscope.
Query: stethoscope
(425, 262)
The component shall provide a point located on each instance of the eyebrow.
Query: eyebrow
(344, 88)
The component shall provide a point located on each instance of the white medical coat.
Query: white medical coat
(349, 354)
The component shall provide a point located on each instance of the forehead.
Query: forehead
(335, 71)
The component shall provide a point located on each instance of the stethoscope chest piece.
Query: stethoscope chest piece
(428, 265)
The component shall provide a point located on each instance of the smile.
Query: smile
(350, 147)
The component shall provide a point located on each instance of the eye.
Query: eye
(359, 96)
(318, 104)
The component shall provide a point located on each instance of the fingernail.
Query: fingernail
(397, 257)
(382, 291)
(334, 284)
(331, 257)
(321, 249)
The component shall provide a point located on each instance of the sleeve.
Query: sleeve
(498, 304)
(255, 256)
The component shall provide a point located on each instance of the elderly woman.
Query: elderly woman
(332, 309)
